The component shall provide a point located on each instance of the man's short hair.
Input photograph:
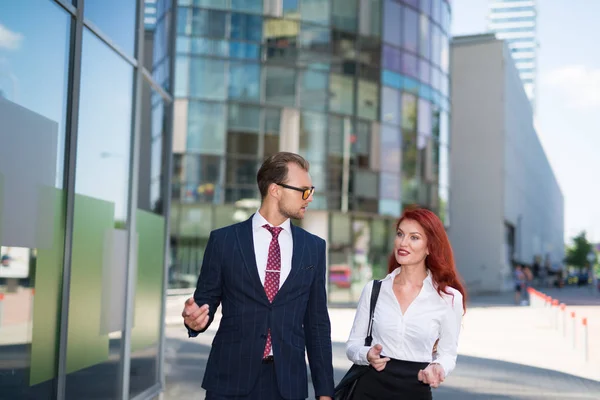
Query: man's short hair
(275, 169)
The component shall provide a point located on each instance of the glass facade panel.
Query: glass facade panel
(344, 15)
(208, 23)
(410, 35)
(246, 27)
(206, 132)
(33, 111)
(49, 88)
(390, 106)
(101, 183)
(313, 90)
(207, 79)
(370, 18)
(317, 11)
(280, 86)
(409, 112)
(313, 132)
(342, 94)
(392, 30)
(253, 6)
(244, 81)
(116, 19)
(368, 100)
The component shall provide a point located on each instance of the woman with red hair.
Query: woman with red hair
(420, 306)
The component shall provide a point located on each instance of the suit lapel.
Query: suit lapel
(245, 240)
(297, 256)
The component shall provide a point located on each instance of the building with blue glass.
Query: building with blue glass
(358, 87)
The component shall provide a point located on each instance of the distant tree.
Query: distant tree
(576, 255)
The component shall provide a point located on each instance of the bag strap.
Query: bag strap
(374, 295)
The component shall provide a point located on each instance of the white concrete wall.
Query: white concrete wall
(533, 199)
(476, 164)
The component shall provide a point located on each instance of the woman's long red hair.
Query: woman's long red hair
(440, 260)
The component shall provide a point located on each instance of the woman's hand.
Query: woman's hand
(374, 358)
(433, 375)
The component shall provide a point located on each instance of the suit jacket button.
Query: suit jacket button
(263, 336)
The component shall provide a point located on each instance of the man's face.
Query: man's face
(291, 204)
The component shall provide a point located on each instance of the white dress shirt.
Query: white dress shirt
(411, 336)
(262, 240)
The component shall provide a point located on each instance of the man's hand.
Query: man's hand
(433, 375)
(374, 358)
(193, 316)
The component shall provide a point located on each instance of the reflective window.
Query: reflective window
(317, 11)
(366, 184)
(182, 76)
(145, 334)
(207, 78)
(426, 7)
(208, 23)
(242, 50)
(370, 18)
(210, 47)
(363, 143)
(116, 19)
(424, 117)
(184, 21)
(391, 28)
(206, 3)
(409, 112)
(244, 81)
(392, 58)
(424, 36)
(436, 8)
(344, 14)
(202, 184)
(246, 27)
(341, 94)
(313, 132)
(389, 186)
(243, 117)
(254, 6)
(99, 255)
(33, 102)
(424, 71)
(411, 30)
(414, 3)
(281, 36)
(444, 128)
(390, 106)
(206, 128)
(368, 100)
(410, 158)
(313, 90)
(444, 166)
(280, 86)
(390, 148)
(436, 44)
(281, 8)
(369, 55)
(315, 45)
(410, 65)
(241, 172)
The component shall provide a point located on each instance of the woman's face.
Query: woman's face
(410, 245)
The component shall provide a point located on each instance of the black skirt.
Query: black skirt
(398, 381)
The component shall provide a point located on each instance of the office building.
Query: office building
(515, 21)
(358, 87)
(505, 204)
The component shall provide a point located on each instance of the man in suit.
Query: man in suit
(269, 277)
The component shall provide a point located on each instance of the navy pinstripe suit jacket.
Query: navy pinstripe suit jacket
(298, 316)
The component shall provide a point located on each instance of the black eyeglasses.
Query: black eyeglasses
(305, 192)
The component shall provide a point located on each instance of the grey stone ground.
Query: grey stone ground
(506, 352)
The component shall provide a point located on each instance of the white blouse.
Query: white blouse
(411, 336)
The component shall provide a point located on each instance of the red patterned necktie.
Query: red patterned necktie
(272, 273)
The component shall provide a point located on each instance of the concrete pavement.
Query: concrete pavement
(505, 352)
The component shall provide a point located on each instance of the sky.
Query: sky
(568, 99)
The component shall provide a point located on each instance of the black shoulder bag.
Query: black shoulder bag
(345, 389)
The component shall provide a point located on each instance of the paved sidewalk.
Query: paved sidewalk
(506, 352)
